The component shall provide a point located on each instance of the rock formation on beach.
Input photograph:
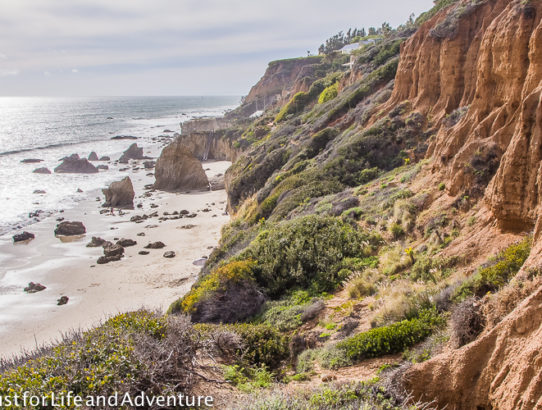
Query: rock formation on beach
(133, 152)
(21, 237)
(42, 170)
(68, 228)
(75, 165)
(178, 170)
(93, 156)
(120, 194)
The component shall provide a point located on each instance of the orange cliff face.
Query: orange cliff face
(475, 69)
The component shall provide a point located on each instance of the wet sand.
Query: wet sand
(98, 291)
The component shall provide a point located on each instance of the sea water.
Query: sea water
(52, 128)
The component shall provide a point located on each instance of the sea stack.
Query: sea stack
(120, 194)
(178, 170)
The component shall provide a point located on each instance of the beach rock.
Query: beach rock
(200, 262)
(42, 170)
(126, 242)
(104, 167)
(93, 156)
(184, 212)
(155, 245)
(31, 161)
(149, 164)
(169, 254)
(34, 287)
(113, 251)
(102, 260)
(189, 226)
(133, 152)
(25, 236)
(141, 234)
(120, 194)
(95, 242)
(62, 301)
(68, 228)
(75, 165)
(177, 170)
(39, 191)
(143, 252)
(105, 158)
(123, 137)
(79, 190)
(217, 183)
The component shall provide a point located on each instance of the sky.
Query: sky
(168, 47)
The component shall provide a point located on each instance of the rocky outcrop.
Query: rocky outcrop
(42, 170)
(93, 156)
(199, 125)
(207, 146)
(75, 165)
(500, 370)
(475, 70)
(133, 152)
(25, 236)
(281, 80)
(68, 228)
(177, 169)
(31, 160)
(120, 194)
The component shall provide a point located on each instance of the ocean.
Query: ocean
(52, 128)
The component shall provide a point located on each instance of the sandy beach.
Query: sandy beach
(98, 291)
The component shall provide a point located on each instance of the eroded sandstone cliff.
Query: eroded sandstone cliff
(475, 70)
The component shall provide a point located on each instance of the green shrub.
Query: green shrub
(499, 270)
(120, 356)
(218, 281)
(294, 106)
(396, 230)
(441, 186)
(329, 93)
(305, 253)
(319, 141)
(385, 340)
(368, 174)
(263, 345)
(248, 379)
(291, 312)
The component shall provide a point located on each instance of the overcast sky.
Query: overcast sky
(168, 47)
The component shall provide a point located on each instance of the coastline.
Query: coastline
(97, 292)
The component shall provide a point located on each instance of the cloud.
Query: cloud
(136, 38)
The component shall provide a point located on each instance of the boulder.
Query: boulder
(133, 152)
(178, 170)
(155, 245)
(143, 252)
(39, 192)
(113, 251)
(105, 158)
(34, 287)
(31, 161)
(95, 242)
(62, 301)
(68, 228)
(126, 242)
(42, 170)
(75, 165)
(25, 236)
(217, 183)
(120, 194)
(93, 156)
(149, 164)
(169, 254)
(104, 167)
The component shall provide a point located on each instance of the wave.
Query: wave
(58, 145)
